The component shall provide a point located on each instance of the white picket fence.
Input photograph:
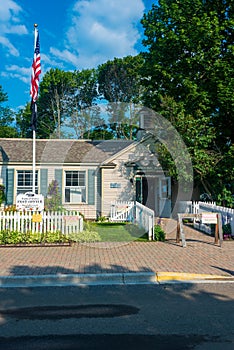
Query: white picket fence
(199, 207)
(64, 222)
(129, 211)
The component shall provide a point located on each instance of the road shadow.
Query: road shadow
(172, 241)
(230, 272)
(25, 270)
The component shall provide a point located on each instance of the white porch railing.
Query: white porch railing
(133, 212)
(144, 217)
(198, 207)
(65, 222)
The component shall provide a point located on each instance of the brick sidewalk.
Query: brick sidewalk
(200, 256)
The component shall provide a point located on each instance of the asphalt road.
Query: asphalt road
(181, 316)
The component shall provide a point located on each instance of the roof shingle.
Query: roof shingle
(59, 151)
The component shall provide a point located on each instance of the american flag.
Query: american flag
(36, 69)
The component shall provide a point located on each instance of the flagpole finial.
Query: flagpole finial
(35, 25)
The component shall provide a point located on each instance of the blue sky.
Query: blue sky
(74, 34)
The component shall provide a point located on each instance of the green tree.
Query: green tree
(54, 88)
(6, 117)
(63, 101)
(100, 132)
(119, 80)
(189, 79)
(112, 131)
(82, 110)
(23, 121)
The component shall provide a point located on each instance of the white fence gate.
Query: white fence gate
(122, 211)
(64, 222)
(136, 212)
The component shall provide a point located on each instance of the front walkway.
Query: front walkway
(200, 256)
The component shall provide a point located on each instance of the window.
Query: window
(25, 181)
(75, 186)
(165, 188)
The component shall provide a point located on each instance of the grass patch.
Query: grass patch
(119, 232)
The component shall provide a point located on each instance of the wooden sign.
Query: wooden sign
(209, 218)
(71, 219)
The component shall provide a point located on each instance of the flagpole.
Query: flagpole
(34, 156)
(34, 111)
(36, 70)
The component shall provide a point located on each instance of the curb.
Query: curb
(177, 277)
(61, 280)
(77, 279)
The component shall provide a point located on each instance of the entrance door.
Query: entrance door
(165, 197)
(141, 189)
(146, 191)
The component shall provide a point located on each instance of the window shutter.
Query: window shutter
(91, 187)
(10, 186)
(58, 176)
(44, 182)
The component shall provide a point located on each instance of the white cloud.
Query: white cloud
(16, 29)
(21, 73)
(7, 7)
(46, 60)
(10, 24)
(64, 55)
(7, 44)
(101, 30)
(23, 70)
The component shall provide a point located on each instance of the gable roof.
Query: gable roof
(60, 151)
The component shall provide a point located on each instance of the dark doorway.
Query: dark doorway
(141, 188)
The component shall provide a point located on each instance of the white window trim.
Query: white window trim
(26, 189)
(77, 187)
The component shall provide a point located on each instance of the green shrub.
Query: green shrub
(85, 236)
(102, 219)
(12, 237)
(227, 229)
(15, 237)
(159, 234)
(53, 201)
(53, 237)
(2, 194)
(34, 238)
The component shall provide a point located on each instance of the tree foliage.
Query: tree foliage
(82, 111)
(6, 117)
(54, 88)
(112, 131)
(119, 80)
(189, 79)
(23, 121)
(63, 98)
